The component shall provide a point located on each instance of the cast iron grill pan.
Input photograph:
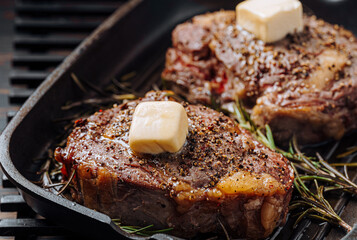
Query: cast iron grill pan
(134, 38)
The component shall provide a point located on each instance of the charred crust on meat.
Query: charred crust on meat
(276, 79)
(216, 149)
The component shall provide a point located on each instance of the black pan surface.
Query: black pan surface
(134, 38)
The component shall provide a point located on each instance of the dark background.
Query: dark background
(6, 54)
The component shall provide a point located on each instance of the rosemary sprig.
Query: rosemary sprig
(313, 166)
(106, 97)
(315, 205)
(142, 231)
(314, 169)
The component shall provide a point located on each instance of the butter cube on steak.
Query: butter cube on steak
(305, 84)
(221, 174)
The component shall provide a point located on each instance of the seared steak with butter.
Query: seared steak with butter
(305, 84)
(220, 174)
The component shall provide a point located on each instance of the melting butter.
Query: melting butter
(270, 20)
(157, 127)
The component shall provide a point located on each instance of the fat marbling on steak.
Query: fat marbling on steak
(305, 84)
(221, 174)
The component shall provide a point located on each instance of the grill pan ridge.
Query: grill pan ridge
(134, 38)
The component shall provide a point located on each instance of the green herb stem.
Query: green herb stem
(142, 231)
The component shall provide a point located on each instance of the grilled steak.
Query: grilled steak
(221, 174)
(305, 84)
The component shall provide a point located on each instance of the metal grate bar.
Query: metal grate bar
(33, 78)
(60, 9)
(12, 203)
(9, 116)
(19, 95)
(25, 226)
(47, 26)
(37, 60)
(71, 1)
(6, 183)
(41, 43)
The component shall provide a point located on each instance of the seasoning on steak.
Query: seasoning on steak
(220, 174)
(305, 84)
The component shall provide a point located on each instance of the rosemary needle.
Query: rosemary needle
(67, 183)
(143, 231)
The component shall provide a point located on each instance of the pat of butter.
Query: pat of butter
(158, 127)
(270, 20)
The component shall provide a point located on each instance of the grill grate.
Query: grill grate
(45, 33)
